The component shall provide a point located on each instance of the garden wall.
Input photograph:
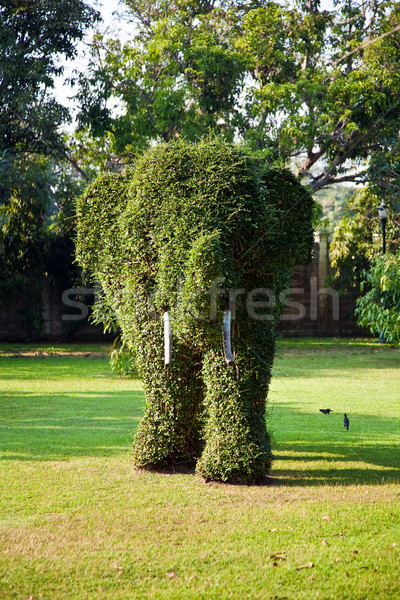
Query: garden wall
(313, 308)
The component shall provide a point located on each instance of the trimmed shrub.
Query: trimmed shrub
(189, 229)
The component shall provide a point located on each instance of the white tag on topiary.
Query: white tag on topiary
(167, 339)
(227, 338)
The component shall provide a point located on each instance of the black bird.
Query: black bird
(346, 422)
(326, 411)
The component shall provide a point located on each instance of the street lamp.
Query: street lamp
(383, 212)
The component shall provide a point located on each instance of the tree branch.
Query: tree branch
(74, 163)
(326, 179)
(365, 45)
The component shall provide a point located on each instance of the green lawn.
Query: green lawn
(77, 521)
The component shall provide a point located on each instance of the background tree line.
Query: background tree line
(313, 89)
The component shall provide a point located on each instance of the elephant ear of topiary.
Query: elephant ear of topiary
(188, 229)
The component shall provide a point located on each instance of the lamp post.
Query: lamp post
(383, 212)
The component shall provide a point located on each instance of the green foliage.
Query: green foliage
(122, 360)
(180, 74)
(176, 233)
(35, 189)
(23, 241)
(273, 74)
(384, 173)
(35, 237)
(358, 238)
(333, 203)
(33, 35)
(378, 308)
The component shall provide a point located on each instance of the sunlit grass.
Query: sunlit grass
(77, 522)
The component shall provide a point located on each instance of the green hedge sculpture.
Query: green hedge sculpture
(192, 232)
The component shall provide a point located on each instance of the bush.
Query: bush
(379, 308)
(190, 223)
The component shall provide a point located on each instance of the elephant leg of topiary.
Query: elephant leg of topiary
(237, 445)
(170, 432)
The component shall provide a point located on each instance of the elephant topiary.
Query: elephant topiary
(203, 234)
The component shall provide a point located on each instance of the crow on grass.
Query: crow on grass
(326, 411)
(346, 422)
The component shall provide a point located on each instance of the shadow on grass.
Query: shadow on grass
(66, 426)
(313, 449)
(309, 448)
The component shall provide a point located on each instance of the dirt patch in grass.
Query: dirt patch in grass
(55, 354)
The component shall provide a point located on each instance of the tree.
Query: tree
(358, 238)
(333, 201)
(378, 308)
(33, 36)
(181, 74)
(35, 236)
(36, 185)
(312, 88)
(326, 89)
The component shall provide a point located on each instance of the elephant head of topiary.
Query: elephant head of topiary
(194, 231)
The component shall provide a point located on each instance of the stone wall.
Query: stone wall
(313, 308)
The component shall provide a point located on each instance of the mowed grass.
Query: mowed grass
(78, 522)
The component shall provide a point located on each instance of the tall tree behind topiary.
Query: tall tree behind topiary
(190, 229)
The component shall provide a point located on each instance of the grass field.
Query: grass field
(77, 521)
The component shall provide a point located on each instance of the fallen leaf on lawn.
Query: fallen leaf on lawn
(274, 564)
(327, 518)
(394, 544)
(306, 566)
(191, 577)
(30, 598)
(172, 574)
(337, 559)
(117, 567)
(324, 543)
(274, 529)
(355, 551)
(339, 535)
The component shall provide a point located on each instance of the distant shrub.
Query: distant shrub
(378, 309)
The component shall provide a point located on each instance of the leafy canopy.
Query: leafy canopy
(36, 186)
(317, 89)
(33, 36)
